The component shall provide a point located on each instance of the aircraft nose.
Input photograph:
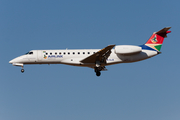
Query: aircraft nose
(11, 61)
(15, 60)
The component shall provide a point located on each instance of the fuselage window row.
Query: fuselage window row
(68, 53)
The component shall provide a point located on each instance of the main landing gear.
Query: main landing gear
(97, 71)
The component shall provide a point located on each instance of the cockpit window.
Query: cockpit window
(29, 53)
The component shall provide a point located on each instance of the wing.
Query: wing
(100, 56)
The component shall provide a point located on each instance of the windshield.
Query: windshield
(29, 53)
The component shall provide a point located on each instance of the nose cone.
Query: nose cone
(16, 60)
(11, 61)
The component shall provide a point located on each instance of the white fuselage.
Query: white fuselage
(73, 57)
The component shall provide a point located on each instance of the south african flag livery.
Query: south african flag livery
(156, 40)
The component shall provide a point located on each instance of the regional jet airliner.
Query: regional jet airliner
(95, 58)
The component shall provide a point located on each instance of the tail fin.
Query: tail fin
(156, 40)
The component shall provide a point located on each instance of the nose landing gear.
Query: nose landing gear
(22, 70)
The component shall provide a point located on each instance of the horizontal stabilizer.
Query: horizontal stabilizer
(163, 32)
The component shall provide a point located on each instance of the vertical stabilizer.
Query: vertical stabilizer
(156, 40)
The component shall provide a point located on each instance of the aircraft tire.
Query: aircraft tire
(22, 70)
(98, 73)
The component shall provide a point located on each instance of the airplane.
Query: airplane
(96, 58)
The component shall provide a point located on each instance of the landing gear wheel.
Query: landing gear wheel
(22, 70)
(98, 73)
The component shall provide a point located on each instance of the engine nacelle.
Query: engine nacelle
(127, 49)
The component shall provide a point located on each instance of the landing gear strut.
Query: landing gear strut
(22, 70)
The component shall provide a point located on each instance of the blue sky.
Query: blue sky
(143, 90)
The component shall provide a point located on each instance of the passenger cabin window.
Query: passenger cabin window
(60, 53)
(68, 53)
(73, 53)
(78, 52)
(83, 52)
(64, 53)
(88, 52)
(55, 53)
(50, 53)
(46, 53)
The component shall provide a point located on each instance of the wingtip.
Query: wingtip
(112, 45)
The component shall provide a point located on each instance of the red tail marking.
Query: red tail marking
(155, 39)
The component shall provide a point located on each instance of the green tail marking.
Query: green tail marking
(158, 47)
